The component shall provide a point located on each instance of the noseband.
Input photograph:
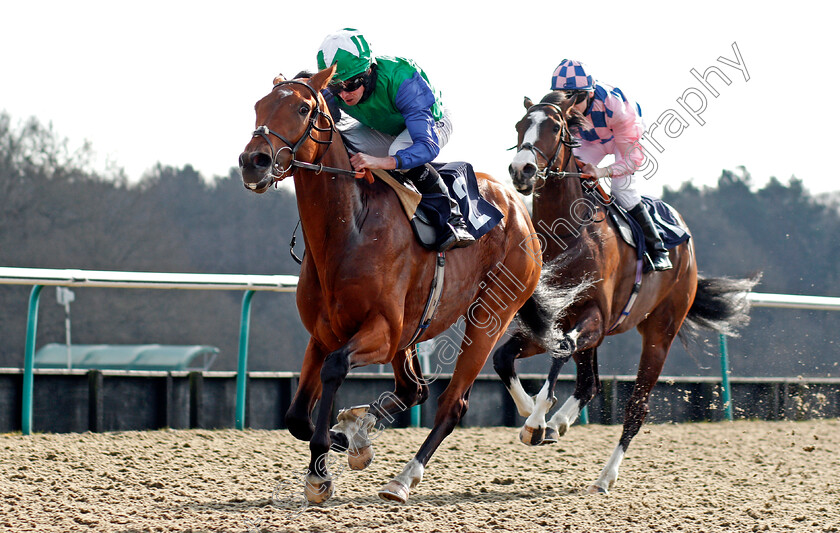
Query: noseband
(589, 182)
(276, 173)
(566, 140)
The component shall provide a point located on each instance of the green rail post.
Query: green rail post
(415, 416)
(242, 372)
(726, 391)
(584, 415)
(29, 359)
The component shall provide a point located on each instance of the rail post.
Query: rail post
(29, 359)
(242, 372)
(726, 391)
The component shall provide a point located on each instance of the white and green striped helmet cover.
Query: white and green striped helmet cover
(348, 50)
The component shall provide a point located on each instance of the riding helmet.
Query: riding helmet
(571, 76)
(348, 50)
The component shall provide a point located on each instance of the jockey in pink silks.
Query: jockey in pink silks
(612, 126)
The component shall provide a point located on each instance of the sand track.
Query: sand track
(741, 476)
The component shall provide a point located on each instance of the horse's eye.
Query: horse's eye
(556, 128)
(304, 109)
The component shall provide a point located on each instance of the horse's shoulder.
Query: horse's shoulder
(483, 176)
(488, 183)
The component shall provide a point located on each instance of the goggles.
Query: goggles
(349, 85)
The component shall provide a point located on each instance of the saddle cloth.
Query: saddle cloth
(429, 213)
(664, 217)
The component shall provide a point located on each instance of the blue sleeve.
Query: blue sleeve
(332, 105)
(414, 101)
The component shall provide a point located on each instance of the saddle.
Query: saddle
(428, 214)
(631, 232)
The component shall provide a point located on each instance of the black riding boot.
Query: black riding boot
(653, 242)
(427, 180)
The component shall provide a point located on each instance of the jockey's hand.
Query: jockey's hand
(361, 161)
(594, 171)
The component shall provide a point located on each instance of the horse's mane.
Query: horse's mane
(574, 119)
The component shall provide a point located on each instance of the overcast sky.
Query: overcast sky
(175, 82)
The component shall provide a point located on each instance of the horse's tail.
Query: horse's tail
(720, 305)
(537, 318)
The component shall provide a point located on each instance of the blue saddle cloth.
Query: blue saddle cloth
(480, 215)
(670, 230)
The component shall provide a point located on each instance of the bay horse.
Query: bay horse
(364, 282)
(581, 246)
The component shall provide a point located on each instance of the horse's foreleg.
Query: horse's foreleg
(536, 431)
(298, 416)
(319, 487)
(587, 385)
(579, 342)
(358, 426)
(517, 347)
(370, 345)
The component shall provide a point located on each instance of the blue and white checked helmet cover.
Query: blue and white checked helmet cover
(571, 76)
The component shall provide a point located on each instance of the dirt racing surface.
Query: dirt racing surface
(741, 476)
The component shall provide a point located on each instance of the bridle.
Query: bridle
(276, 173)
(550, 171)
(566, 139)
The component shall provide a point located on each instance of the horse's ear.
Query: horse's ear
(279, 78)
(322, 79)
(528, 103)
(571, 99)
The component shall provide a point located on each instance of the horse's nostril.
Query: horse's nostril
(260, 160)
(257, 160)
(529, 171)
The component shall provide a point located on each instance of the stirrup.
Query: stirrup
(458, 237)
(660, 261)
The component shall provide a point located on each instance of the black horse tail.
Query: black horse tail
(720, 305)
(537, 318)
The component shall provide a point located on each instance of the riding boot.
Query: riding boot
(428, 181)
(653, 242)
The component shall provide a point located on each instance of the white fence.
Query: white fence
(40, 277)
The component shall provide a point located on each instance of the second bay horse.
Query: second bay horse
(581, 247)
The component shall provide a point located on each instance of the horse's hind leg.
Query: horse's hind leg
(452, 404)
(658, 332)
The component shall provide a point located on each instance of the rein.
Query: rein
(277, 173)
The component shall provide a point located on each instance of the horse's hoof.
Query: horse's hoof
(318, 491)
(595, 489)
(361, 458)
(561, 430)
(531, 436)
(394, 491)
(550, 436)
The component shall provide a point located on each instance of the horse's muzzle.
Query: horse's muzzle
(256, 171)
(523, 177)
